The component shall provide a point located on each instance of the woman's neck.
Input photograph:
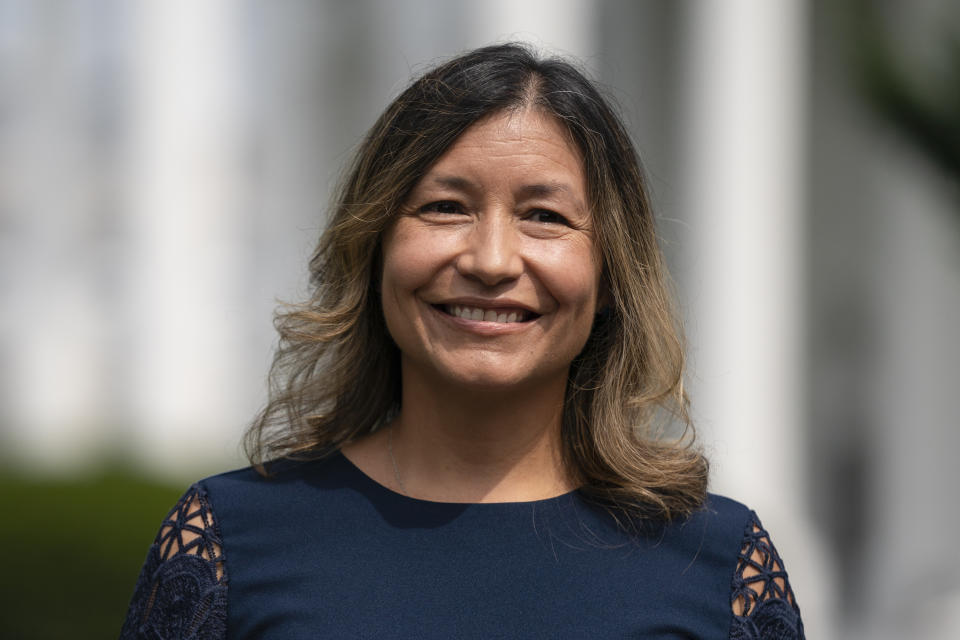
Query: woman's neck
(451, 444)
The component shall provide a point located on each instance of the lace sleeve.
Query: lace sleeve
(763, 603)
(182, 589)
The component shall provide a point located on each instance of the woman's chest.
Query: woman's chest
(358, 574)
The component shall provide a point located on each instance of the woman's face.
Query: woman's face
(490, 273)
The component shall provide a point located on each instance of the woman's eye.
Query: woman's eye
(442, 206)
(544, 215)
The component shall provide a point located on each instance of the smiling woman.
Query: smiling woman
(461, 439)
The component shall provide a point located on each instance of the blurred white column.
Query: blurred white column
(742, 181)
(55, 234)
(186, 233)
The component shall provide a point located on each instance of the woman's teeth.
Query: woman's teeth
(486, 315)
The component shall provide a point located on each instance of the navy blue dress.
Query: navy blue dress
(320, 550)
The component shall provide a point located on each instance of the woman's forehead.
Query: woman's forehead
(528, 144)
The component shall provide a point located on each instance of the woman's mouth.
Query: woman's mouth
(502, 316)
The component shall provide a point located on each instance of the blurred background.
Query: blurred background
(165, 167)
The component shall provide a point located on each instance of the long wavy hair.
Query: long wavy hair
(336, 373)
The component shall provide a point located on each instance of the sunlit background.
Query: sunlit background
(164, 171)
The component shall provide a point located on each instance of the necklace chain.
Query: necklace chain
(393, 459)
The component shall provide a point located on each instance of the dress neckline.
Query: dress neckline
(387, 492)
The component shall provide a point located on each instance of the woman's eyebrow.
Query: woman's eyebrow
(457, 183)
(547, 189)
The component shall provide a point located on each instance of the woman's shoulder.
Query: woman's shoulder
(259, 491)
(762, 599)
(288, 471)
(733, 530)
(725, 509)
(182, 588)
(717, 526)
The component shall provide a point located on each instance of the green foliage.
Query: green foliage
(920, 100)
(72, 552)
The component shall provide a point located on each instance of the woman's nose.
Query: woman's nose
(492, 252)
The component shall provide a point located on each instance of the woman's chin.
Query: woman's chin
(486, 379)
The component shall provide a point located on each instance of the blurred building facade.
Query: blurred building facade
(165, 167)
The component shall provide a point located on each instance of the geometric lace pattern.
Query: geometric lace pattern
(181, 593)
(762, 601)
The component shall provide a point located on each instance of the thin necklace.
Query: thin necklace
(393, 459)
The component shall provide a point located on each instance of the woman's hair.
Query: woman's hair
(336, 372)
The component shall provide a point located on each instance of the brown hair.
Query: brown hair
(336, 376)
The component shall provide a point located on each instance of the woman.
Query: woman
(460, 441)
